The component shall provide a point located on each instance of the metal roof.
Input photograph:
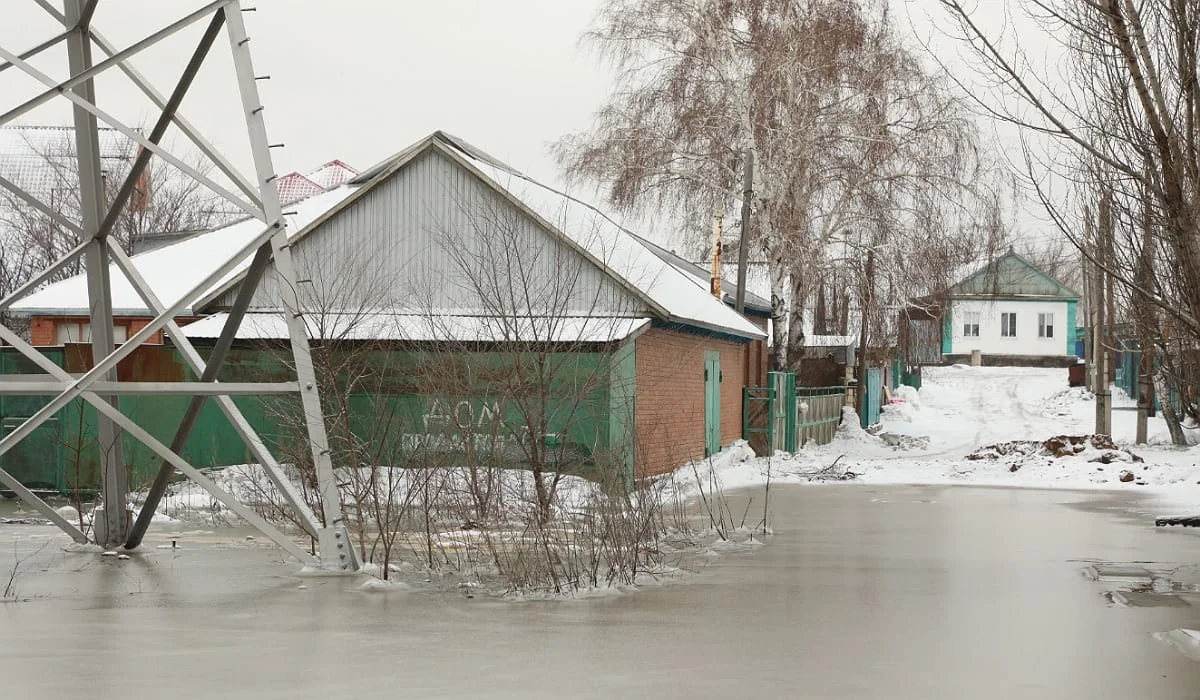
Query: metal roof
(416, 327)
(728, 287)
(171, 270)
(1011, 275)
(41, 159)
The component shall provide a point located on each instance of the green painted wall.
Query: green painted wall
(587, 410)
(947, 330)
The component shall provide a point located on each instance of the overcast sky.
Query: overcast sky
(360, 79)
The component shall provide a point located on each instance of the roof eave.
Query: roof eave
(717, 328)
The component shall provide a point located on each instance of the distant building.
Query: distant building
(1009, 310)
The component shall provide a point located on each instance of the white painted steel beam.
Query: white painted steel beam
(36, 203)
(103, 366)
(111, 528)
(26, 55)
(51, 387)
(36, 281)
(127, 424)
(133, 135)
(206, 147)
(208, 372)
(336, 551)
(99, 384)
(78, 78)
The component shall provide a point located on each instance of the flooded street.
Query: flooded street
(863, 592)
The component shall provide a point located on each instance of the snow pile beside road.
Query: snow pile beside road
(1091, 448)
(993, 426)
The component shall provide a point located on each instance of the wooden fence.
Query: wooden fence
(818, 413)
(782, 417)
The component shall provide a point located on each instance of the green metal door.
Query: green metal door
(712, 402)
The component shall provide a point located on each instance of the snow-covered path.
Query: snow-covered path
(960, 409)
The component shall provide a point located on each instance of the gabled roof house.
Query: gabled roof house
(443, 243)
(1009, 310)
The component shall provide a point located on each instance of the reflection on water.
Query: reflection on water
(862, 593)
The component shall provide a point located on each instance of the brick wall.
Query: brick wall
(669, 415)
(43, 330)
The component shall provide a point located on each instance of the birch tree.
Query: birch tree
(808, 86)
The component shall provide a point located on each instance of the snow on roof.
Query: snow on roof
(703, 274)
(173, 270)
(426, 327)
(677, 293)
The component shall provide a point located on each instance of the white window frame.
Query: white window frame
(970, 327)
(1046, 325)
(81, 332)
(1008, 330)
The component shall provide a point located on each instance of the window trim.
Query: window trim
(1008, 330)
(970, 324)
(1046, 325)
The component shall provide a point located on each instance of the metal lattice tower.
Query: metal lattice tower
(100, 386)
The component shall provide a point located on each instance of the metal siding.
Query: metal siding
(391, 247)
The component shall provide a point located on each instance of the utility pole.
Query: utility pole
(714, 278)
(1089, 280)
(744, 239)
(1100, 334)
(1145, 387)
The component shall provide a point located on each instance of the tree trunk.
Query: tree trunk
(779, 316)
(796, 333)
(1168, 410)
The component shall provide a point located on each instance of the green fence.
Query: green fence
(782, 417)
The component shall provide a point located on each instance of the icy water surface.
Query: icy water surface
(862, 593)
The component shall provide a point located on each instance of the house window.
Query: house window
(73, 332)
(1008, 325)
(70, 332)
(1045, 325)
(971, 324)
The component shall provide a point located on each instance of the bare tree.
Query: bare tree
(847, 127)
(163, 202)
(1119, 121)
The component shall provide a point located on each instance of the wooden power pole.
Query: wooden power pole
(1102, 309)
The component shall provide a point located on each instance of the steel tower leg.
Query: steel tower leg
(109, 531)
(337, 552)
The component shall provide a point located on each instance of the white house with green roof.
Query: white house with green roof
(1010, 308)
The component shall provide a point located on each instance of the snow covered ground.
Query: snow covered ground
(927, 438)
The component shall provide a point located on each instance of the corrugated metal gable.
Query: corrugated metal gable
(1011, 275)
(410, 241)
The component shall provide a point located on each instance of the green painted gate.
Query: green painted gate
(712, 402)
(872, 397)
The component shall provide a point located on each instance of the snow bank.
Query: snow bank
(928, 438)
